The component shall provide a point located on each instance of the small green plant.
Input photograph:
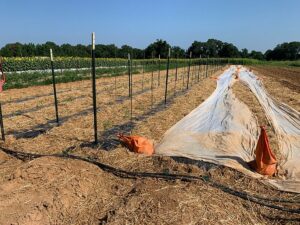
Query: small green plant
(126, 113)
(107, 124)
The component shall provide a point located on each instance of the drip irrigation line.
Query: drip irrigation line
(187, 178)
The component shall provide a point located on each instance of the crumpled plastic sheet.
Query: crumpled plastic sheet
(223, 130)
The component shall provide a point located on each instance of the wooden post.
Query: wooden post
(115, 92)
(198, 75)
(2, 124)
(189, 68)
(158, 69)
(1, 116)
(94, 89)
(130, 83)
(183, 75)
(206, 66)
(143, 75)
(152, 71)
(54, 87)
(129, 77)
(176, 74)
(167, 76)
(143, 72)
(131, 95)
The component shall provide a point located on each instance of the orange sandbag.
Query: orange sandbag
(265, 162)
(137, 144)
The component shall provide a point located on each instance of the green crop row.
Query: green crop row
(43, 63)
(245, 61)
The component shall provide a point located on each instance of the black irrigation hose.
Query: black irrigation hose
(133, 175)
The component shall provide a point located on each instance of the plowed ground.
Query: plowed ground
(57, 189)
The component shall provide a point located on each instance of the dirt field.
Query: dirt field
(60, 190)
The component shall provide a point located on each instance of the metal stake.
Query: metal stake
(94, 88)
(158, 70)
(130, 83)
(206, 66)
(152, 81)
(2, 124)
(129, 77)
(189, 68)
(167, 76)
(176, 74)
(54, 87)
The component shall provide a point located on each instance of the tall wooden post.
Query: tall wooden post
(206, 66)
(176, 74)
(152, 71)
(1, 116)
(189, 68)
(2, 124)
(167, 76)
(94, 89)
(54, 87)
(129, 76)
(198, 74)
(158, 69)
(130, 83)
(143, 73)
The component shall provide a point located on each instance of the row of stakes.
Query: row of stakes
(94, 86)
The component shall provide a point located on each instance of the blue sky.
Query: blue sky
(253, 24)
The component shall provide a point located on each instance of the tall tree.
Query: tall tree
(214, 47)
(198, 48)
(229, 51)
(177, 52)
(257, 55)
(159, 47)
(244, 53)
(284, 51)
(211, 48)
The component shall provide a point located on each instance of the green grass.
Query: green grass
(27, 79)
(264, 62)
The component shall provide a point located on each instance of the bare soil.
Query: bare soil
(56, 190)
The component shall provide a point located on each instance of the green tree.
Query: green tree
(123, 52)
(229, 51)
(211, 48)
(12, 50)
(284, 51)
(176, 51)
(67, 50)
(82, 51)
(106, 51)
(198, 48)
(244, 53)
(214, 47)
(257, 55)
(159, 47)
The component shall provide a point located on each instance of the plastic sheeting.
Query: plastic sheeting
(222, 130)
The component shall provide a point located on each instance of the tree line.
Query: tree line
(210, 48)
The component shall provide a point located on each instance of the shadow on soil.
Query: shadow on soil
(124, 128)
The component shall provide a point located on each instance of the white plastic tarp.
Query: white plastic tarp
(222, 130)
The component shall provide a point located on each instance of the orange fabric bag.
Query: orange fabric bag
(265, 162)
(137, 144)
